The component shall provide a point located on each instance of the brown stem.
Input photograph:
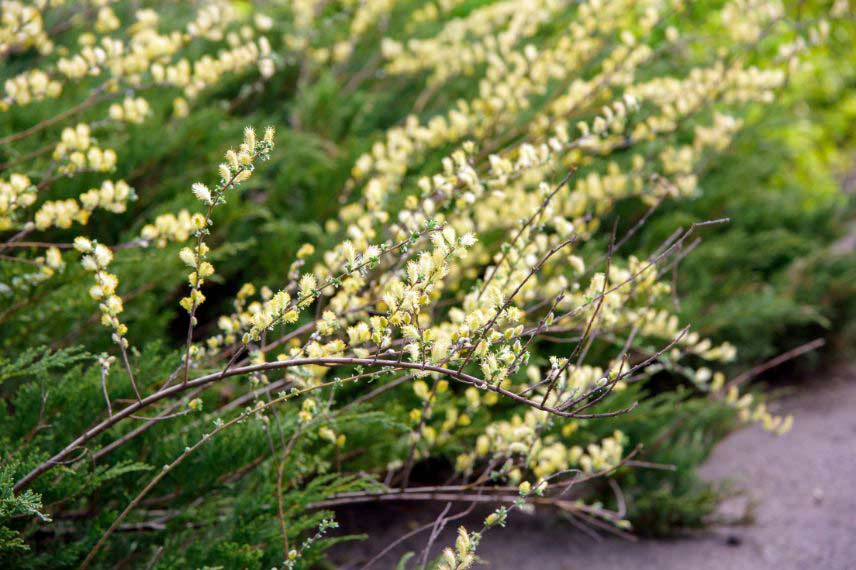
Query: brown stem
(207, 379)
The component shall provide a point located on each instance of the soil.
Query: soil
(799, 497)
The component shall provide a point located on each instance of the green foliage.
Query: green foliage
(35, 361)
(776, 278)
(682, 432)
(26, 504)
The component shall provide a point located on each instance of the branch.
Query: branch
(207, 379)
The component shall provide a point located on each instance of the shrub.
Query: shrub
(418, 263)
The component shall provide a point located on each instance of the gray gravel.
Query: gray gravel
(800, 491)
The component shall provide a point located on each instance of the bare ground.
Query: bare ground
(801, 492)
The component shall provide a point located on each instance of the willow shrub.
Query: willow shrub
(408, 255)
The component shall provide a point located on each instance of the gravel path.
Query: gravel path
(802, 488)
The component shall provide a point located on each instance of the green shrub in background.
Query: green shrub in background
(778, 280)
(344, 215)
